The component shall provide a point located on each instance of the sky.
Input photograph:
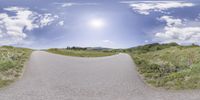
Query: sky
(98, 23)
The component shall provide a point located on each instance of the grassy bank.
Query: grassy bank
(170, 66)
(81, 53)
(11, 63)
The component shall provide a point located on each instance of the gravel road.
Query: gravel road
(55, 77)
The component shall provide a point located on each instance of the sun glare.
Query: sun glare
(96, 23)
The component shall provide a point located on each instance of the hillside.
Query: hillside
(168, 65)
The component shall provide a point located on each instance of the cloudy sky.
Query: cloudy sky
(95, 23)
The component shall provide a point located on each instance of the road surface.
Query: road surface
(55, 77)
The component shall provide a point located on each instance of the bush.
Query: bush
(168, 65)
(11, 63)
(6, 65)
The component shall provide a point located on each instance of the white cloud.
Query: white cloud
(146, 7)
(46, 19)
(69, 4)
(61, 23)
(146, 41)
(13, 28)
(107, 41)
(177, 30)
(171, 21)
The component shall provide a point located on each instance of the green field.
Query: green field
(170, 66)
(11, 63)
(81, 53)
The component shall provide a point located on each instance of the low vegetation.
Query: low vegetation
(82, 52)
(168, 65)
(162, 65)
(11, 63)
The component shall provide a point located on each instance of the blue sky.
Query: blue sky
(97, 23)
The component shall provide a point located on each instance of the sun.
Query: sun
(96, 23)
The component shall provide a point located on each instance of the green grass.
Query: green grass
(81, 53)
(173, 67)
(11, 63)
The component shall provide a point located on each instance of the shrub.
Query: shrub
(6, 65)
(169, 65)
(11, 63)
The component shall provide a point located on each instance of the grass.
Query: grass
(168, 66)
(11, 63)
(173, 67)
(82, 53)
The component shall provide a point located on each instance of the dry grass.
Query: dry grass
(176, 67)
(11, 63)
(82, 53)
